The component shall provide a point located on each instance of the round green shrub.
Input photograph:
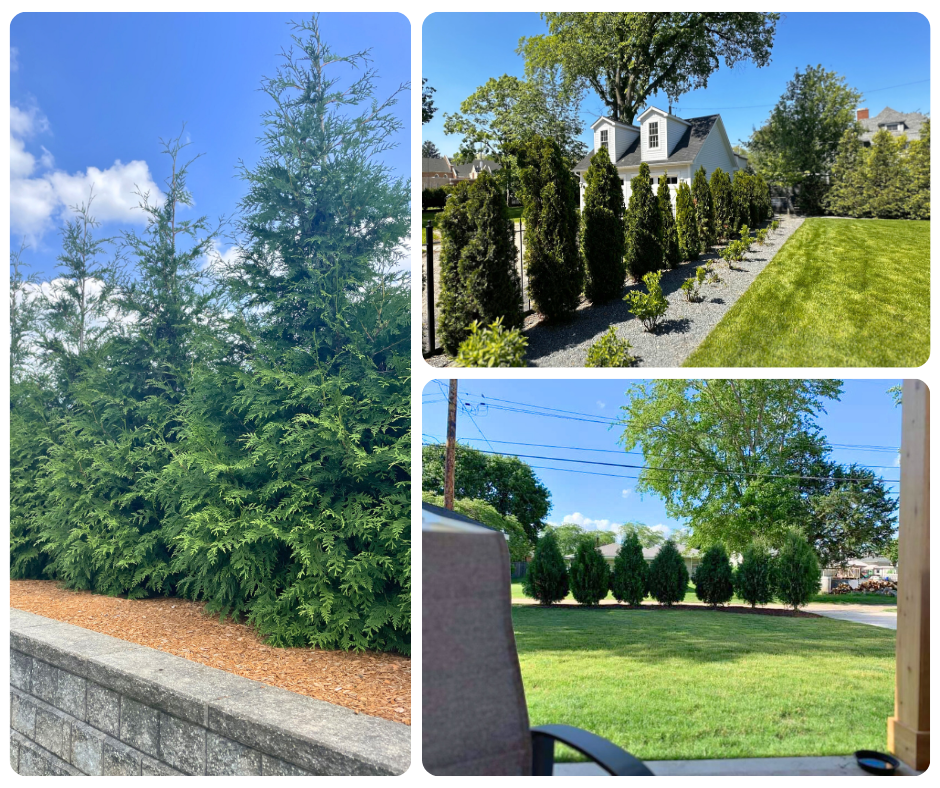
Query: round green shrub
(609, 351)
(753, 578)
(714, 579)
(547, 577)
(630, 579)
(796, 571)
(668, 578)
(589, 576)
(493, 346)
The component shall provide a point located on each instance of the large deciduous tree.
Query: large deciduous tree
(799, 143)
(647, 536)
(506, 483)
(626, 57)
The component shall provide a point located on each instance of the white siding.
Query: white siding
(714, 153)
(681, 171)
(660, 152)
(676, 130)
(619, 138)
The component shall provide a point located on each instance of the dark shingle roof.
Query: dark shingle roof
(685, 150)
(911, 120)
(435, 165)
(466, 169)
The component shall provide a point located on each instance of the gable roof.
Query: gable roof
(486, 164)
(912, 121)
(435, 165)
(649, 553)
(690, 143)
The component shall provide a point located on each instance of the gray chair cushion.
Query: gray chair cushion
(474, 718)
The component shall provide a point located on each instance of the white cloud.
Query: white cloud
(625, 493)
(665, 530)
(218, 259)
(40, 196)
(601, 405)
(588, 523)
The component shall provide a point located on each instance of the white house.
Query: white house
(671, 145)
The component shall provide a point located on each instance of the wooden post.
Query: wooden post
(909, 728)
(450, 457)
(432, 340)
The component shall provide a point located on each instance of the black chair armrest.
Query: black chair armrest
(605, 754)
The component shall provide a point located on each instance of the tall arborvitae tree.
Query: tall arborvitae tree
(25, 316)
(602, 235)
(847, 179)
(687, 224)
(723, 200)
(887, 178)
(670, 234)
(753, 577)
(918, 163)
(630, 580)
(741, 199)
(714, 578)
(106, 525)
(554, 268)
(669, 577)
(704, 208)
(299, 515)
(589, 575)
(547, 578)
(479, 278)
(644, 245)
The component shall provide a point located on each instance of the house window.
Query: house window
(653, 141)
(604, 138)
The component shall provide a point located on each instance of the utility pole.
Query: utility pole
(450, 458)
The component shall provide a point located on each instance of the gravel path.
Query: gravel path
(682, 330)
(369, 683)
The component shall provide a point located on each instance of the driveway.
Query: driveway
(873, 615)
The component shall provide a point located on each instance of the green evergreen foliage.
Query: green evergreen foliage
(723, 201)
(796, 570)
(741, 199)
(668, 576)
(648, 307)
(887, 179)
(602, 234)
(643, 252)
(547, 577)
(918, 163)
(763, 207)
(753, 577)
(630, 579)
(609, 351)
(714, 577)
(589, 575)
(479, 280)
(704, 208)
(554, 267)
(670, 240)
(493, 346)
(687, 224)
(846, 181)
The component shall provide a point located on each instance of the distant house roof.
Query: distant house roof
(649, 553)
(872, 560)
(436, 165)
(690, 143)
(910, 123)
(464, 170)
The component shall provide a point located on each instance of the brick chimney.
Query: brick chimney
(861, 114)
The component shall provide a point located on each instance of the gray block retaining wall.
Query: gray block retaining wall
(86, 703)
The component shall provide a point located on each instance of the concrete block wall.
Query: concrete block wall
(86, 703)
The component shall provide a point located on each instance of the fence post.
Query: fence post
(432, 343)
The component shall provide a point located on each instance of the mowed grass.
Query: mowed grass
(857, 598)
(840, 293)
(700, 684)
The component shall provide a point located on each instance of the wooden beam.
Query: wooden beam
(909, 728)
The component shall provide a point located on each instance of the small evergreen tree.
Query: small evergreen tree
(723, 200)
(589, 575)
(741, 199)
(602, 234)
(918, 163)
(630, 580)
(554, 267)
(670, 235)
(704, 208)
(753, 577)
(887, 178)
(479, 279)
(687, 224)
(546, 578)
(796, 571)
(668, 578)
(847, 179)
(714, 578)
(644, 246)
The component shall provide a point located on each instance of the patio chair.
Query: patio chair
(474, 716)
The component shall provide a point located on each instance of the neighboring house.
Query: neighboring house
(692, 556)
(859, 568)
(671, 145)
(436, 172)
(897, 123)
(472, 170)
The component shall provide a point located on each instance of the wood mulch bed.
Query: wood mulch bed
(369, 683)
(756, 611)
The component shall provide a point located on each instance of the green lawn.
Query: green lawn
(698, 684)
(856, 599)
(840, 293)
(515, 213)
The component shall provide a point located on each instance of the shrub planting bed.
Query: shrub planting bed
(373, 683)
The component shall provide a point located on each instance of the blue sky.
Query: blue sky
(872, 50)
(864, 416)
(91, 94)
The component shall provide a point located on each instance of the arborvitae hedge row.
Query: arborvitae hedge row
(602, 236)
(644, 243)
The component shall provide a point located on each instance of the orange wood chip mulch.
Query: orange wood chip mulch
(369, 683)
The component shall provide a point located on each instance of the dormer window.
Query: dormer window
(653, 141)
(603, 138)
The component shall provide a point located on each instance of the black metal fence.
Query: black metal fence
(431, 281)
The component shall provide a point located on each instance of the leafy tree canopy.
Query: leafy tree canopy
(647, 536)
(626, 57)
(520, 548)
(569, 535)
(429, 150)
(427, 101)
